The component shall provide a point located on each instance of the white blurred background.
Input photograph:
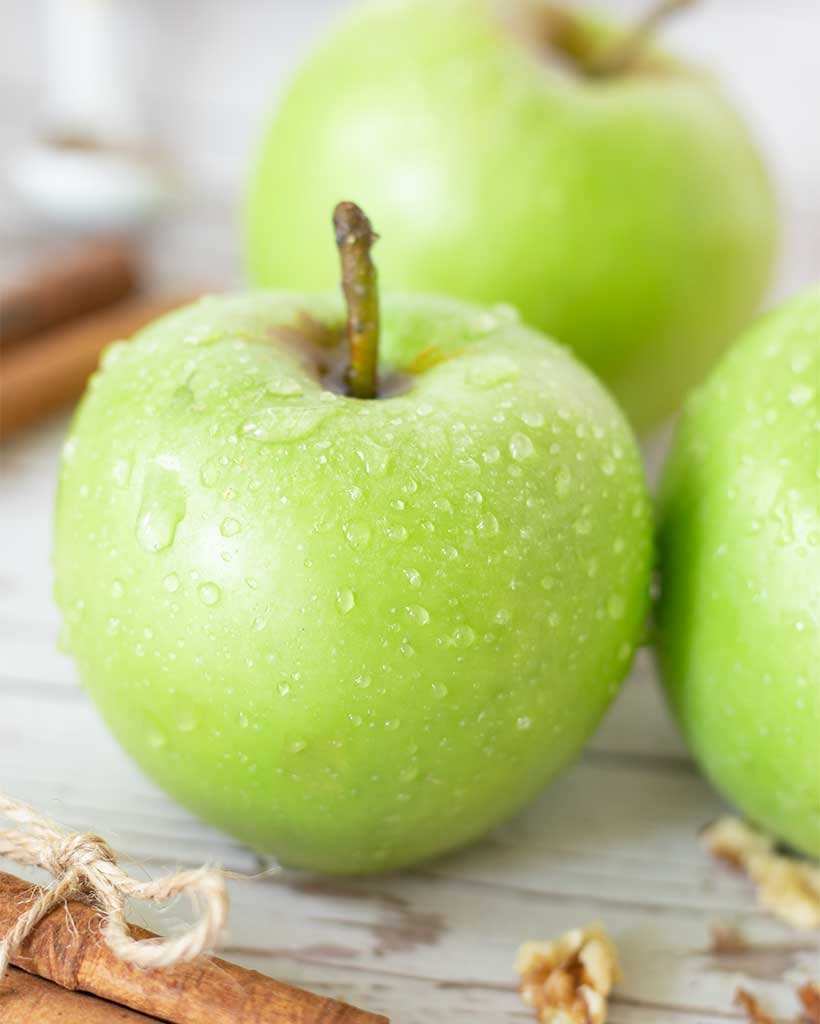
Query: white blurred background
(194, 78)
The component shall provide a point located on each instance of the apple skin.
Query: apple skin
(740, 553)
(352, 633)
(630, 217)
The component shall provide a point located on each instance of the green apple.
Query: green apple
(740, 549)
(353, 632)
(618, 204)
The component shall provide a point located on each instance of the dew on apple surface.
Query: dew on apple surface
(281, 424)
(209, 593)
(487, 525)
(358, 534)
(121, 472)
(229, 526)
(171, 582)
(345, 600)
(417, 613)
(491, 371)
(162, 508)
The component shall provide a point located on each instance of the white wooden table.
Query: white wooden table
(614, 840)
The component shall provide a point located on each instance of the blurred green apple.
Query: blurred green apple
(740, 550)
(354, 633)
(610, 194)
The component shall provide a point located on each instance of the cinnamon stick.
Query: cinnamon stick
(51, 370)
(93, 275)
(66, 947)
(26, 999)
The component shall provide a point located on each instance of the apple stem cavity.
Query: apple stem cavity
(625, 54)
(354, 238)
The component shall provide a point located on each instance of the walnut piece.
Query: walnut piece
(568, 981)
(810, 998)
(747, 1002)
(787, 887)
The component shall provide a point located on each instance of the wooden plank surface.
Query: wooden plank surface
(614, 840)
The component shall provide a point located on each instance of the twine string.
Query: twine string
(85, 868)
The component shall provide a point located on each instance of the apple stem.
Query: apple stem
(621, 56)
(355, 238)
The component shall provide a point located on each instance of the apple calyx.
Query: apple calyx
(355, 238)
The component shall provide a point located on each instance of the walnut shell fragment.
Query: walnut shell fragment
(568, 981)
(787, 887)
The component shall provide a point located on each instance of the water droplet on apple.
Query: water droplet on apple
(487, 526)
(532, 418)
(121, 472)
(491, 454)
(521, 447)
(117, 588)
(243, 720)
(582, 526)
(345, 600)
(562, 481)
(156, 737)
(171, 582)
(209, 594)
(297, 746)
(375, 456)
(440, 691)
(204, 334)
(523, 723)
(358, 534)
(283, 688)
(398, 533)
(281, 424)
(229, 526)
(282, 386)
(392, 724)
(413, 577)
(186, 722)
(210, 470)
(463, 636)
(112, 626)
(801, 394)
(449, 552)
(615, 606)
(162, 508)
(490, 371)
(416, 613)
(362, 682)
(355, 719)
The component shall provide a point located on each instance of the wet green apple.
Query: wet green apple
(611, 194)
(740, 549)
(354, 632)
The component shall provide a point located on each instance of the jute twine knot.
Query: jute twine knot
(85, 868)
